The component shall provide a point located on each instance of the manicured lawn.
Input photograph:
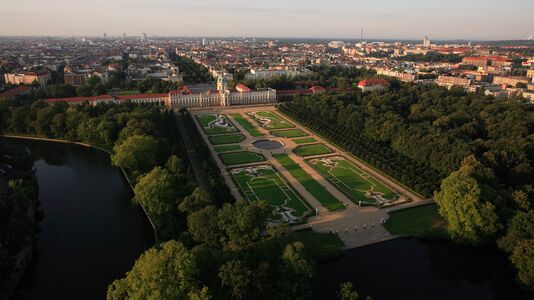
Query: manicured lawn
(216, 124)
(247, 125)
(304, 140)
(241, 157)
(351, 180)
(312, 186)
(270, 120)
(420, 221)
(314, 149)
(319, 245)
(264, 183)
(226, 148)
(226, 139)
(292, 133)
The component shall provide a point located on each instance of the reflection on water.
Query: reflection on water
(414, 269)
(90, 233)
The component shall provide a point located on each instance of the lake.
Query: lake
(90, 234)
(418, 269)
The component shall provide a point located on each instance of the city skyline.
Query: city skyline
(476, 20)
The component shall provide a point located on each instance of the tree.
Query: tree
(165, 272)
(347, 292)
(296, 273)
(156, 191)
(523, 259)
(203, 226)
(202, 294)
(470, 217)
(175, 165)
(236, 275)
(58, 126)
(197, 200)
(519, 242)
(242, 223)
(138, 154)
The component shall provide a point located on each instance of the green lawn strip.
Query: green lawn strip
(420, 221)
(226, 148)
(277, 122)
(226, 139)
(378, 186)
(304, 140)
(269, 186)
(291, 133)
(312, 186)
(320, 246)
(241, 157)
(348, 182)
(314, 149)
(205, 121)
(247, 125)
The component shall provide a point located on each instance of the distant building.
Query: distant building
(530, 74)
(426, 42)
(336, 44)
(405, 77)
(14, 92)
(204, 42)
(265, 74)
(479, 61)
(75, 79)
(369, 85)
(510, 80)
(449, 81)
(145, 37)
(105, 35)
(28, 78)
(124, 36)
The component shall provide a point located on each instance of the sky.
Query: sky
(383, 19)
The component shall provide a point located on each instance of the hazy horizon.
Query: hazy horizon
(336, 19)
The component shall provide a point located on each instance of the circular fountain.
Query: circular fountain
(268, 144)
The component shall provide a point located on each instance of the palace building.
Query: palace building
(184, 98)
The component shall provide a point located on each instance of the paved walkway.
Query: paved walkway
(356, 226)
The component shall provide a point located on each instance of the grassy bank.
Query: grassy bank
(420, 221)
(320, 246)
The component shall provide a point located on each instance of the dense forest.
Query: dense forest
(473, 153)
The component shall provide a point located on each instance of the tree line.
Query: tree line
(18, 210)
(472, 152)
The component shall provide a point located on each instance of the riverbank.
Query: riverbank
(23, 257)
(108, 151)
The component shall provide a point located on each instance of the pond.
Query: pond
(90, 234)
(417, 269)
(268, 144)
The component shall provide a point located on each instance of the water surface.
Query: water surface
(90, 233)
